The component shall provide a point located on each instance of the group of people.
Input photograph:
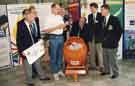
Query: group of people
(101, 34)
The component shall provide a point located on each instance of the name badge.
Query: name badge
(110, 27)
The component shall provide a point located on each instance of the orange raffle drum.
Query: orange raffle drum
(75, 57)
(75, 53)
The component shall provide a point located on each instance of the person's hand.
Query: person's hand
(61, 26)
(65, 29)
(22, 54)
(67, 23)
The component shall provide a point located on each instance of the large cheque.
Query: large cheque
(35, 52)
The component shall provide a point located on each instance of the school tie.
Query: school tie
(33, 30)
(104, 22)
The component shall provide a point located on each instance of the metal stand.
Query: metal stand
(74, 71)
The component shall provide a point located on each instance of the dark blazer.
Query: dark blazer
(75, 30)
(23, 38)
(112, 33)
(96, 29)
(38, 28)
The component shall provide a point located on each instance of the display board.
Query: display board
(15, 15)
(4, 38)
(129, 35)
(129, 44)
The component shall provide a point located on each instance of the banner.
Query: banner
(4, 38)
(74, 9)
(15, 15)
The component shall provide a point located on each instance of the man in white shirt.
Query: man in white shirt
(54, 26)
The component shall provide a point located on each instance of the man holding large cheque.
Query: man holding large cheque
(28, 36)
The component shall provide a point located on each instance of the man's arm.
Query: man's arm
(60, 26)
(19, 38)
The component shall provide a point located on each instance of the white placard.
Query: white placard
(35, 52)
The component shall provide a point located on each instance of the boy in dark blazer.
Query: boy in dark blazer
(112, 34)
(95, 36)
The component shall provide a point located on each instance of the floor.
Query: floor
(16, 77)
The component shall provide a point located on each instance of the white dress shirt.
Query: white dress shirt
(53, 21)
(95, 15)
(28, 26)
(107, 18)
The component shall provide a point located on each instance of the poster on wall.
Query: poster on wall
(15, 15)
(129, 36)
(130, 15)
(129, 44)
(117, 10)
(4, 38)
